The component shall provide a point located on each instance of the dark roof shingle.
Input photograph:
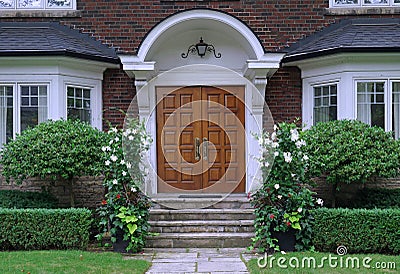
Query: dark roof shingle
(43, 39)
(354, 35)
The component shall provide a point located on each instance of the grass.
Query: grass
(391, 263)
(44, 262)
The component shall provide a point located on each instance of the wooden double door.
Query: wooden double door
(201, 139)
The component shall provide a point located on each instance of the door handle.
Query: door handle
(197, 149)
(205, 148)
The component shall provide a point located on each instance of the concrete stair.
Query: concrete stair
(226, 224)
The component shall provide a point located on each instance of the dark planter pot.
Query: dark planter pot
(286, 240)
(120, 244)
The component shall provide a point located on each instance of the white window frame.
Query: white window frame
(386, 97)
(324, 84)
(361, 3)
(90, 99)
(44, 6)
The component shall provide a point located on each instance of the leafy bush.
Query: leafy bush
(359, 230)
(54, 150)
(125, 209)
(283, 202)
(22, 199)
(28, 229)
(349, 151)
(376, 198)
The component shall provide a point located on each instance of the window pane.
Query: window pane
(371, 109)
(325, 103)
(376, 2)
(346, 2)
(78, 104)
(30, 4)
(24, 90)
(33, 105)
(6, 114)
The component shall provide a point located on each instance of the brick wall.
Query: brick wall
(118, 92)
(283, 94)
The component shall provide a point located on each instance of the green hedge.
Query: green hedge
(22, 199)
(360, 230)
(376, 198)
(28, 229)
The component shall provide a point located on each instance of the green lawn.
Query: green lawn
(299, 262)
(42, 262)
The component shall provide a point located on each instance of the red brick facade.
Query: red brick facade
(124, 24)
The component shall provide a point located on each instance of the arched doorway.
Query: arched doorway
(243, 64)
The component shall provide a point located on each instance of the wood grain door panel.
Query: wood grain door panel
(214, 116)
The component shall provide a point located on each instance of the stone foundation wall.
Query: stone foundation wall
(325, 190)
(88, 191)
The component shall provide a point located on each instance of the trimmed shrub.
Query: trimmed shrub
(360, 230)
(22, 199)
(29, 229)
(349, 151)
(371, 198)
(55, 150)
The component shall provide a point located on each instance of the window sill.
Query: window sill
(39, 13)
(362, 11)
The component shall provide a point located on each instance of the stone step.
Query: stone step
(200, 240)
(190, 226)
(233, 201)
(201, 214)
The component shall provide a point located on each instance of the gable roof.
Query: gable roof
(350, 35)
(51, 39)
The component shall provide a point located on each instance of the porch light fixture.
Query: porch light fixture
(201, 49)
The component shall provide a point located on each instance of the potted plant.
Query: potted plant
(283, 202)
(124, 211)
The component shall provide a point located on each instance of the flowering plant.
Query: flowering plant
(125, 208)
(283, 202)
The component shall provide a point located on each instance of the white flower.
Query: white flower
(273, 136)
(305, 158)
(279, 197)
(320, 201)
(275, 144)
(116, 139)
(295, 135)
(283, 252)
(111, 142)
(133, 189)
(276, 153)
(122, 162)
(300, 143)
(266, 164)
(128, 165)
(299, 210)
(107, 163)
(293, 175)
(276, 186)
(275, 127)
(104, 149)
(115, 182)
(114, 158)
(114, 129)
(128, 131)
(134, 131)
(125, 133)
(288, 157)
(130, 137)
(124, 173)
